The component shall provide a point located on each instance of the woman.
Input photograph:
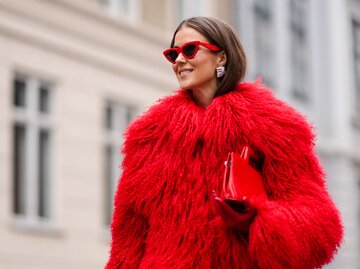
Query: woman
(164, 213)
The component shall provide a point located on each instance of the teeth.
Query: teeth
(184, 72)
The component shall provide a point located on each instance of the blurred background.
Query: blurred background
(73, 74)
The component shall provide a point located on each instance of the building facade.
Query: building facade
(75, 73)
(308, 52)
(72, 76)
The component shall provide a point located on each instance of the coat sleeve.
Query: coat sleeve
(129, 222)
(298, 226)
(302, 233)
(128, 229)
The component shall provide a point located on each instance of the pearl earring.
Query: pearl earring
(220, 71)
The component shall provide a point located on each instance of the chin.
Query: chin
(185, 83)
(185, 86)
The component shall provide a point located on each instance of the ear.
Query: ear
(222, 58)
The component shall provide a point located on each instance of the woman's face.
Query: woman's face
(197, 74)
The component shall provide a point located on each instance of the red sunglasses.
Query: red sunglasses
(188, 50)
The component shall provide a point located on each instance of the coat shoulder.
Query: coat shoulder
(269, 110)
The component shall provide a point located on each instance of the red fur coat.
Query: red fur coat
(174, 159)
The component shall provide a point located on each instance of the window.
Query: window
(264, 46)
(126, 9)
(299, 17)
(236, 12)
(117, 118)
(190, 8)
(356, 45)
(32, 151)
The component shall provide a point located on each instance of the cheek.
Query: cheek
(206, 65)
(207, 70)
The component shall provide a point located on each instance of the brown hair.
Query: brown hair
(221, 34)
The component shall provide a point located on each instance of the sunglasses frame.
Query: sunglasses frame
(179, 50)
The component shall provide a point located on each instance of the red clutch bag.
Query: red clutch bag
(242, 176)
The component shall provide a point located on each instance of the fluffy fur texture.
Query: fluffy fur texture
(174, 159)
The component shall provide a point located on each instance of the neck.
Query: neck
(203, 97)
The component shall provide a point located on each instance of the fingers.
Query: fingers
(239, 220)
(246, 202)
(226, 213)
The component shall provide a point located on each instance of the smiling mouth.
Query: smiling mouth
(185, 72)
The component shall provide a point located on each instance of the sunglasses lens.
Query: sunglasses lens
(171, 55)
(189, 50)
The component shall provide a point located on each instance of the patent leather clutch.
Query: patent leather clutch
(242, 177)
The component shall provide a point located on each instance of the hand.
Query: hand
(237, 215)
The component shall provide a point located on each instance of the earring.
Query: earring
(220, 71)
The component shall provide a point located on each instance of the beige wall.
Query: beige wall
(154, 13)
(90, 58)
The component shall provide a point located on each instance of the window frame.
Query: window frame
(264, 30)
(34, 121)
(122, 115)
(113, 7)
(299, 31)
(355, 27)
(189, 8)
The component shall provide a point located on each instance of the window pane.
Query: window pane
(19, 185)
(124, 6)
(264, 51)
(299, 48)
(109, 117)
(105, 2)
(263, 9)
(189, 8)
(108, 185)
(120, 7)
(19, 93)
(44, 100)
(130, 114)
(44, 162)
(356, 38)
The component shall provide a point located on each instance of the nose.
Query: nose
(180, 58)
